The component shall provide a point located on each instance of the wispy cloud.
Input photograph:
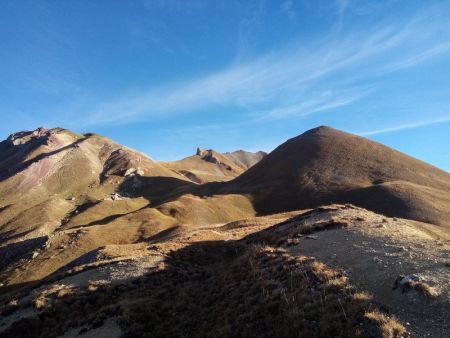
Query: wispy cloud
(437, 50)
(299, 79)
(412, 125)
(322, 102)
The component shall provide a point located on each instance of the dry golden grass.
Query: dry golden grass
(263, 291)
(49, 295)
(40, 303)
(10, 307)
(425, 289)
(324, 165)
(362, 296)
(98, 285)
(232, 289)
(390, 327)
(219, 289)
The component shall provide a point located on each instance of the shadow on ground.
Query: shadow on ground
(215, 289)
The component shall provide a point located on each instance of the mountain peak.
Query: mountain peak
(325, 164)
(71, 202)
(42, 136)
(202, 152)
(322, 130)
(208, 155)
(24, 136)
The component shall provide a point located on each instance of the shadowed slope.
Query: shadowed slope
(199, 286)
(83, 191)
(326, 165)
(86, 191)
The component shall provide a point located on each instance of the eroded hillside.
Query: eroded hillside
(97, 239)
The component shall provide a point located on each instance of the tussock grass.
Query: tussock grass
(390, 327)
(425, 289)
(56, 291)
(9, 308)
(263, 292)
(221, 289)
(98, 285)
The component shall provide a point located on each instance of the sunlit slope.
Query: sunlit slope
(325, 165)
(211, 166)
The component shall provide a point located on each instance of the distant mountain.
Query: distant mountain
(44, 173)
(97, 239)
(207, 165)
(245, 159)
(54, 181)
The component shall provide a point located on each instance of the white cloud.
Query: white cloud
(324, 101)
(435, 51)
(412, 125)
(296, 80)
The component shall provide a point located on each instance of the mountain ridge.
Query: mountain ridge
(82, 216)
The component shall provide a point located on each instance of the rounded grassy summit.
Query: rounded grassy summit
(97, 239)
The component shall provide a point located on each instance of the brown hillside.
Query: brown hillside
(64, 194)
(60, 189)
(211, 166)
(325, 165)
(97, 240)
(49, 175)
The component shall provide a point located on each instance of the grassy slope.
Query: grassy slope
(63, 183)
(65, 195)
(222, 167)
(325, 165)
(261, 284)
(233, 290)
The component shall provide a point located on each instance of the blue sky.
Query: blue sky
(167, 76)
